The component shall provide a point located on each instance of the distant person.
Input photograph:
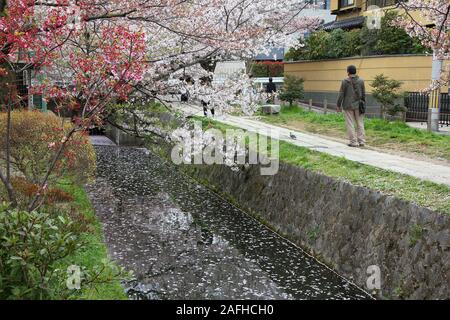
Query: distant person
(205, 105)
(351, 101)
(184, 95)
(271, 88)
(206, 99)
(188, 81)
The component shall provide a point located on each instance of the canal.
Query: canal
(183, 241)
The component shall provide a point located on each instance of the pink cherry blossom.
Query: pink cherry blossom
(428, 21)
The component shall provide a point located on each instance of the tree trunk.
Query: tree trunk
(6, 179)
(7, 89)
(10, 190)
(8, 139)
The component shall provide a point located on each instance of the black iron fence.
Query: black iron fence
(418, 105)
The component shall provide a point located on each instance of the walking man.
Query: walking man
(351, 101)
(205, 105)
(271, 89)
(205, 93)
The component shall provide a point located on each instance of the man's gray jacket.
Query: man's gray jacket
(349, 99)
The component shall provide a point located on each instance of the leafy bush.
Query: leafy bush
(30, 246)
(389, 39)
(36, 249)
(352, 43)
(36, 138)
(267, 69)
(316, 46)
(386, 92)
(328, 45)
(276, 69)
(335, 44)
(338, 43)
(292, 89)
(258, 70)
(26, 191)
(294, 54)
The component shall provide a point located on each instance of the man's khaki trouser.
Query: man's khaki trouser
(357, 136)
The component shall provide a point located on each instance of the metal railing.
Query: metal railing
(418, 104)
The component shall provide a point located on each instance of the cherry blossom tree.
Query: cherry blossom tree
(90, 54)
(100, 70)
(428, 21)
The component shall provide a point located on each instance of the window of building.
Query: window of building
(347, 3)
(381, 3)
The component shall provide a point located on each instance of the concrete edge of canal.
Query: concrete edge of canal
(349, 228)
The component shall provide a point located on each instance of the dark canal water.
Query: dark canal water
(182, 241)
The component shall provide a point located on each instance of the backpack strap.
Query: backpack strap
(355, 89)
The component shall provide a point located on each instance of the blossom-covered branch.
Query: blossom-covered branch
(429, 21)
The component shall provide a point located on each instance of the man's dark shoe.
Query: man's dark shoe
(353, 145)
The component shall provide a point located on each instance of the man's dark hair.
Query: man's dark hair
(351, 69)
(270, 80)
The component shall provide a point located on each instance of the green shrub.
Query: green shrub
(386, 92)
(314, 47)
(25, 191)
(338, 43)
(31, 244)
(258, 70)
(296, 54)
(292, 89)
(267, 69)
(389, 39)
(36, 250)
(317, 45)
(276, 69)
(328, 45)
(352, 43)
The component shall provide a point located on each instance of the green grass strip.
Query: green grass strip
(95, 251)
(427, 194)
(394, 135)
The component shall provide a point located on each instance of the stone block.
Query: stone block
(271, 109)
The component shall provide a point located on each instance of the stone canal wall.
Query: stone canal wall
(121, 138)
(348, 227)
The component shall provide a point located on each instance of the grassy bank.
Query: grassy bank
(95, 250)
(423, 193)
(382, 134)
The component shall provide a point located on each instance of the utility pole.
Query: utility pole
(434, 101)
